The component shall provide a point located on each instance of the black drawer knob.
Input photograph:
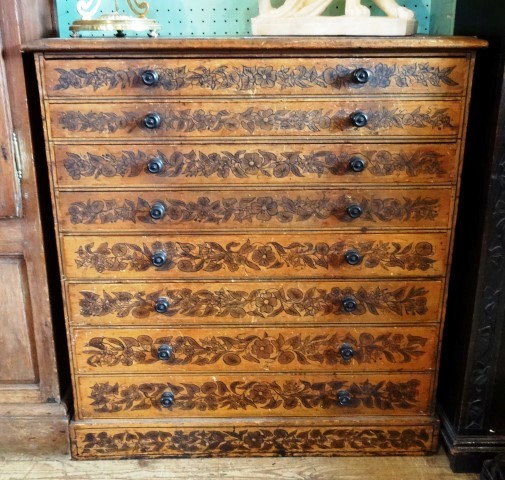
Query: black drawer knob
(346, 352)
(359, 119)
(354, 211)
(361, 75)
(150, 78)
(344, 398)
(159, 259)
(157, 210)
(162, 305)
(165, 352)
(167, 399)
(152, 121)
(350, 304)
(352, 257)
(357, 164)
(155, 165)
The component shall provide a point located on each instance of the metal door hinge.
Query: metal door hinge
(17, 156)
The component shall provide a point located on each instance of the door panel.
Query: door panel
(8, 180)
(18, 363)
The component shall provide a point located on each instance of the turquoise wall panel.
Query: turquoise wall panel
(216, 17)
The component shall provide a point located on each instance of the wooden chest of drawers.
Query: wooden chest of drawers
(254, 237)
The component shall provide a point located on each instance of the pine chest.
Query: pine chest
(254, 237)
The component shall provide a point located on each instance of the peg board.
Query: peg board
(208, 18)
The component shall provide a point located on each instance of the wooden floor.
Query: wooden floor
(354, 468)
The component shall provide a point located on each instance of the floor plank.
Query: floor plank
(30, 467)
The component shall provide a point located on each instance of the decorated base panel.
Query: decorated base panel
(272, 438)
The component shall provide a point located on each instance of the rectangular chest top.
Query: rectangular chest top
(251, 45)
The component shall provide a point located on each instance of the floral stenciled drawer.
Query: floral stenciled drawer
(169, 166)
(266, 302)
(326, 349)
(303, 209)
(290, 118)
(324, 255)
(263, 395)
(228, 77)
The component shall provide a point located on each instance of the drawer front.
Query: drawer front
(253, 396)
(295, 164)
(258, 118)
(320, 209)
(261, 256)
(255, 349)
(247, 303)
(226, 77)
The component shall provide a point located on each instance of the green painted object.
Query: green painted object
(208, 18)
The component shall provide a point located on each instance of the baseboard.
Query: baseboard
(34, 428)
(467, 453)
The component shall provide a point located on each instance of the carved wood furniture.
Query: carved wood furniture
(472, 390)
(254, 238)
(32, 417)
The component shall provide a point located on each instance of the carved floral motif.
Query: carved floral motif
(245, 440)
(248, 164)
(253, 395)
(212, 257)
(303, 350)
(263, 303)
(264, 209)
(255, 119)
(253, 77)
(489, 310)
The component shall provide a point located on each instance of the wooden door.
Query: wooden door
(32, 417)
(9, 191)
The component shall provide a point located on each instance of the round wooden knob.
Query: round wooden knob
(162, 305)
(346, 352)
(357, 164)
(157, 210)
(361, 75)
(167, 399)
(352, 257)
(350, 304)
(344, 398)
(165, 352)
(359, 119)
(152, 121)
(354, 211)
(159, 259)
(155, 165)
(150, 78)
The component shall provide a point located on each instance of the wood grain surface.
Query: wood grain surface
(53, 466)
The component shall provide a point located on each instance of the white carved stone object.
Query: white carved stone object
(304, 17)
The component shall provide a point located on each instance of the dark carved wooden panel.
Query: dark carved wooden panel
(471, 397)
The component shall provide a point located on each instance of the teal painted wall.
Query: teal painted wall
(229, 17)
